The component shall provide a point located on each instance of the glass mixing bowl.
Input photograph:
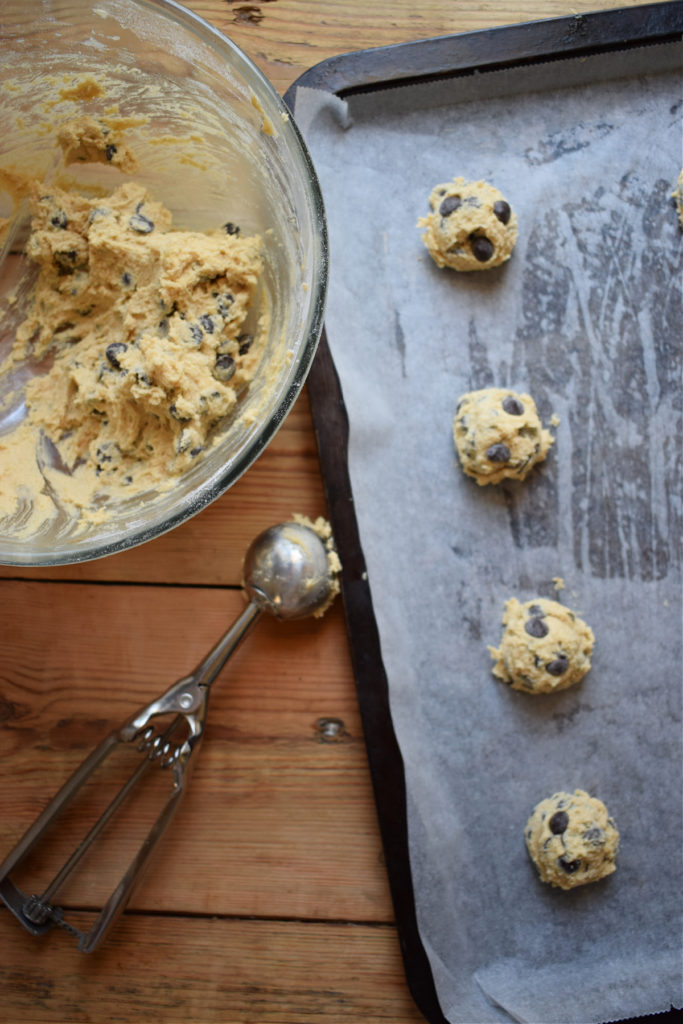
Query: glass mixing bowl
(214, 143)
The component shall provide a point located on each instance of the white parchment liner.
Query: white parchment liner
(586, 317)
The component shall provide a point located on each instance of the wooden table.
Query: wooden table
(269, 899)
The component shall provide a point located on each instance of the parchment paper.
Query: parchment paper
(586, 317)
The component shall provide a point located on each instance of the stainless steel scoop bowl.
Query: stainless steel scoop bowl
(287, 573)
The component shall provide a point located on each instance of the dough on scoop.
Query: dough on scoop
(545, 647)
(324, 531)
(498, 434)
(571, 839)
(471, 226)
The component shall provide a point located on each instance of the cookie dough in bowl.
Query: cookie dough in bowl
(471, 226)
(144, 329)
(572, 840)
(178, 216)
(498, 435)
(545, 646)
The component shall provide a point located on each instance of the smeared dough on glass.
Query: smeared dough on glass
(87, 140)
(572, 840)
(498, 435)
(471, 226)
(545, 646)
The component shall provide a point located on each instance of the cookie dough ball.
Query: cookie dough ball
(498, 435)
(545, 647)
(471, 226)
(572, 840)
(678, 197)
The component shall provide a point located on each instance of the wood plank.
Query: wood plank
(237, 972)
(282, 822)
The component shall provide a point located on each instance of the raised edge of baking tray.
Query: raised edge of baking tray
(384, 68)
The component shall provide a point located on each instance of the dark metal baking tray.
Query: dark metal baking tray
(384, 68)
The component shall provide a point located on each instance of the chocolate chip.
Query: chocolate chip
(244, 342)
(224, 367)
(196, 333)
(231, 229)
(482, 248)
(138, 222)
(66, 260)
(224, 303)
(126, 279)
(536, 611)
(206, 322)
(570, 866)
(176, 415)
(559, 666)
(502, 210)
(143, 225)
(513, 406)
(536, 628)
(107, 456)
(450, 204)
(59, 220)
(498, 453)
(110, 151)
(558, 823)
(114, 351)
(99, 211)
(595, 836)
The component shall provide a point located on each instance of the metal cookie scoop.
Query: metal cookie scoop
(287, 572)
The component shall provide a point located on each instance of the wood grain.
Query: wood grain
(286, 37)
(281, 821)
(183, 969)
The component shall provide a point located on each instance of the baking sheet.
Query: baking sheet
(587, 317)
